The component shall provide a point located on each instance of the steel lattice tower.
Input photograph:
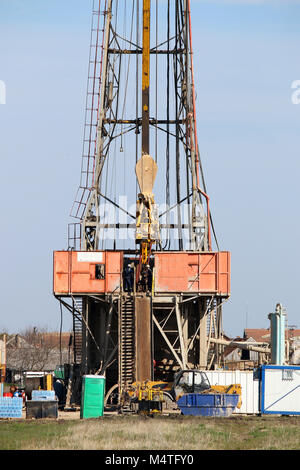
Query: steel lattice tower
(142, 202)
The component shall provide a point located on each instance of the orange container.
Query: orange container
(87, 272)
(92, 272)
(202, 272)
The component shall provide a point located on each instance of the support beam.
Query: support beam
(180, 332)
(139, 51)
(107, 334)
(202, 335)
(247, 346)
(172, 350)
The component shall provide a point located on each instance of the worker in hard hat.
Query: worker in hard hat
(128, 278)
(149, 279)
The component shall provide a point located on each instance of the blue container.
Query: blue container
(218, 405)
(43, 395)
(11, 407)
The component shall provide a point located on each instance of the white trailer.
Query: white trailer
(280, 390)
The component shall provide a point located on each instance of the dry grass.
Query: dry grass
(160, 433)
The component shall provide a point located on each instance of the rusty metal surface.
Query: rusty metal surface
(143, 360)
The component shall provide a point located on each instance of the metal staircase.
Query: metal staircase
(77, 330)
(126, 341)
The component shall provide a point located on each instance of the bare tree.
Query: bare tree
(32, 349)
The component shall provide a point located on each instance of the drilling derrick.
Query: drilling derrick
(140, 277)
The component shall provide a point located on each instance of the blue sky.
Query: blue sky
(246, 57)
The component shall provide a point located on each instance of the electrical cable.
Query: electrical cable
(168, 241)
(60, 333)
(156, 81)
(204, 187)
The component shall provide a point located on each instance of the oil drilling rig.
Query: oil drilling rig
(140, 277)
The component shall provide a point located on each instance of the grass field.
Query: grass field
(159, 433)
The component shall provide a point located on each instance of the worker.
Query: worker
(13, 392)
(149, 278)
(128, 278)
(132, 276)
(140, 284)
(60, 391)
(144, 279)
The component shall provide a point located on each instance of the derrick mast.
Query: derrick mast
(141, 277)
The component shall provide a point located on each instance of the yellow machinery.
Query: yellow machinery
(145, 398)
(149, 396)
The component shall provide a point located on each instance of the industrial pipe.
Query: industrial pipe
(240, 345)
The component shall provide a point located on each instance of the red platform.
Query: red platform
(81, 272)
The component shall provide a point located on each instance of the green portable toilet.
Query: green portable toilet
(92, 396)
